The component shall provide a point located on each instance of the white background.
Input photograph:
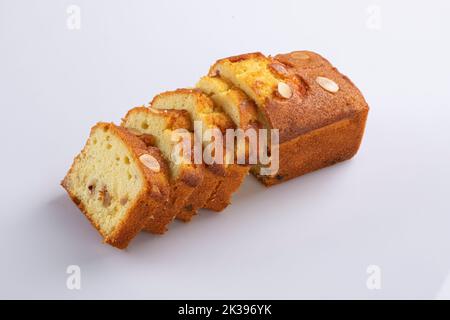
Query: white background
(312, 237)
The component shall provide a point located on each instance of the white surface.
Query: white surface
(312, 237)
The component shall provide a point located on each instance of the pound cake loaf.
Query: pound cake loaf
(148, 171)
(119, 183)
(185, 176)
(319, 112)
(227, 177)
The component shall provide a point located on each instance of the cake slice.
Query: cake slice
(240, 108)
(118, 182)
(320, 114)
(185, 176)
(233, 101)
(228, 176)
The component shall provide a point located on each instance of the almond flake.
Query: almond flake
(300, 56)
(327, 84)
(150, 162)
(284, 90)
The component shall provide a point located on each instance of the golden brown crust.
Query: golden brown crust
(155, 192)
(229, 184)
(318, 149)
(236, 58)
(200, 196)
(313, 107)
(249, 117)
(180, 191)
(207, 105)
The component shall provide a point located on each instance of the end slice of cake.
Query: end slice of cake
(118, 183)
